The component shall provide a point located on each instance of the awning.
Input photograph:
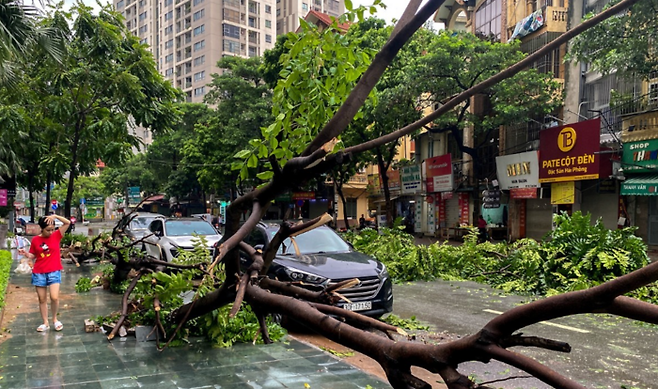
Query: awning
(641, 186)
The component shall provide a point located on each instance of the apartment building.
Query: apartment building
(188, 37)
(288, 12)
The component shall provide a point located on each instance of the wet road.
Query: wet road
(607, 351)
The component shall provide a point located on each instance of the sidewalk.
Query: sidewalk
(73, 359)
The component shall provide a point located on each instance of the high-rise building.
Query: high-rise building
(288, 12)
(188, 37)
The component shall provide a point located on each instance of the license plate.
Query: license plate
(360, 306)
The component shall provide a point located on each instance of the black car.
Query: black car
(324, 258)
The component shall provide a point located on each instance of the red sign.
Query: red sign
(303, 195)
(53, 201)
(523, 193)
(439, 173)
(3, 197)
(430, 199)
(567, 153)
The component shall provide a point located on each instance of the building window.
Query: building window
(197, 2)
(120, 4)
(169, 44)
(168, 2)
(199, 30)
(169, 58)
(231, 31)
(653, 93)
(253, 52)
(487, 18)
(268, 38)
(169, 15)
(268, 9)
(199, 60)
(278, 12)
(142, 16)
(231, 46)
(199, 14)
(168, 30)
(169, 72)
(199, 91)
(253, 7)
(199, 45)
(144, 41)
(268, 23)
(143, 29)
(350, 208)
(304, 7)
(200, 76)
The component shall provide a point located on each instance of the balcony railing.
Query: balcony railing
(632, 105)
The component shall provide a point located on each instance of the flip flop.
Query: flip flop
(43, 328)
(58, 325)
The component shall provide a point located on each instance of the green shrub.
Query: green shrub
(574, 256)
(5, 267)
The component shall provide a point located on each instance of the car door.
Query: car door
(156, 229)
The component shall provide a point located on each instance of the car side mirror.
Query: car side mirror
(158, 233)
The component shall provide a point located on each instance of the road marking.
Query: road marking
(548, 323)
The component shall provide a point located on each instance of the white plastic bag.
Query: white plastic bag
(23, 267)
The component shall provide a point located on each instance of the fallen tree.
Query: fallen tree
(267, 296)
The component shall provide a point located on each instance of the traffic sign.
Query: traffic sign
(53, 202)
(82, 200)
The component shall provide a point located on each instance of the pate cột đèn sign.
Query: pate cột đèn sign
(568, 153)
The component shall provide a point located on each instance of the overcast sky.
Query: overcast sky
(394, 9)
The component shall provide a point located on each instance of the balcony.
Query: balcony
(630, 105)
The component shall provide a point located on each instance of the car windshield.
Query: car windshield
(188, 227)
(319, 240)
(141, 222)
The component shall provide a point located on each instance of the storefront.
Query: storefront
(439, 181)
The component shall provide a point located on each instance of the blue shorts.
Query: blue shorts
(45, 279)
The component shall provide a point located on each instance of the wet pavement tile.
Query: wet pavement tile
(73, 359)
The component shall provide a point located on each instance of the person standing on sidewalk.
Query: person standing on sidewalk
(47, 267)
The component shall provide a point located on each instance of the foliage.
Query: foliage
(624, 44)
(575, 256)
(243, 105)
(137, 171)
(243, 328)
(105, 80)
(173, 289)
(318, 70)
(83, 187)
(73, 239)
(83, 285)
(5, 266)
(410, 324)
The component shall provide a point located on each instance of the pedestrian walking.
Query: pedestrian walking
(482, 228)
(47, 267)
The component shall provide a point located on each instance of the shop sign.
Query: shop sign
(518, 170)
(491, 199)
(563, 192)
(303, 195)
(523, 193)
(640, 156)
(3, 197)
(284, 197)
(410, 178)
(446, 195)
(568, 153)
(374, 185)
(607, 186)
(439, 174)
(393, 180)
(430, 199)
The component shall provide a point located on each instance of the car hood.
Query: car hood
(186, 241)
(333, 265)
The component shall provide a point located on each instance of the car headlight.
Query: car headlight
(298, 275)
(383, 273)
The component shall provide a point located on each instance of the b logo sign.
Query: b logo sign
(566, 140)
